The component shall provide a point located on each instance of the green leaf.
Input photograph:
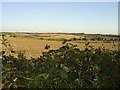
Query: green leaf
(7, 68)
(63, 74)
(3, 76)
(98, 60)
(56, 65)
(66, 69)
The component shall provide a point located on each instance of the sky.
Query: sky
(68, 17)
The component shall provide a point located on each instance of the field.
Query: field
(59, 61)
(34, 47)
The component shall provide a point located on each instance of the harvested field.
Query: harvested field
(58, 36)
(35, 47)
(32, 47)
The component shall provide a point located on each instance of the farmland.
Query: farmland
(33, 44)
(59, 61)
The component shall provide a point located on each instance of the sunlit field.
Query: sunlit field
(60, 61)
(33, 46)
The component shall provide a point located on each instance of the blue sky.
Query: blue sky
(78, 17)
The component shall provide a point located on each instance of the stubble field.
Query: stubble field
(35, 47)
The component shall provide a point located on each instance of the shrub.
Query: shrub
(66, 67)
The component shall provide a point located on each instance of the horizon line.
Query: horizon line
(60, 32)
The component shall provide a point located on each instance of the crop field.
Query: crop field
(59, 45)
(34, 47)
(59, 61)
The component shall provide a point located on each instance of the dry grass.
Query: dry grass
(35, 47)
(52, 36)
(32, 47)
(58, 36)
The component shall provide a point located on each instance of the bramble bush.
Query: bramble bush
(66, 67)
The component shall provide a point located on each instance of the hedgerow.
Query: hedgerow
(66, 67)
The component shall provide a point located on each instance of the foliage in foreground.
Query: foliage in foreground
(66, 67)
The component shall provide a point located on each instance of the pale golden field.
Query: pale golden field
(35, 47)
(53, 36)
